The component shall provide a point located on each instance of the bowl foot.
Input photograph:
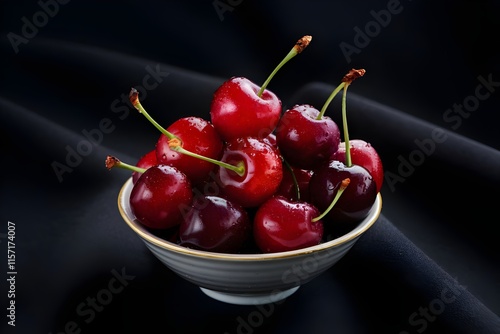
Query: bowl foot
(249, 298)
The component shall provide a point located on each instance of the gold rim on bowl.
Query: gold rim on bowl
(136, 226)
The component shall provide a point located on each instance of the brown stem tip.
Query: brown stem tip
(345, 183)
(353, 74)
(133, 96)
(302, 43)
(111, 162)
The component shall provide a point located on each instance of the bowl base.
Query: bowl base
(249, 298)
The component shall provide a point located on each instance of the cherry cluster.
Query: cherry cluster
(253, 178)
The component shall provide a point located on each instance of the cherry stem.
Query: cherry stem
(134, 99)
(294, 178)
(299, 46)
(343, 186)
(348, 160)
(352, 75)
(238, 169)
(330, 99)
(113, 162)
(175, 143)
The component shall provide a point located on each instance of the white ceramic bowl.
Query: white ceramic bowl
(246, 279)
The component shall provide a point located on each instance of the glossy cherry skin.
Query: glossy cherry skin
(288, 189)
(237, 111)
(261, 178)
(357, 199)
(215, 224)
(146, 161)
(365, 155)
(304, 141)
(198, 136)
(281, 225)
(271, 140)
(159, 195)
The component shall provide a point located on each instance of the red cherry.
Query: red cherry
(237, 110)
(282, 225)
(215, 224)
(146, 161)
(305, 138)
(271, 140)
(159, 195)
(365, 155)
(198, 136)
(240, 108)
(187, 135)
(357, 199)
(261, 174)
(295, 183)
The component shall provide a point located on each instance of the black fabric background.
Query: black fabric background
(437, 238)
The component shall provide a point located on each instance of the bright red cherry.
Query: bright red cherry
(240, 108)
(196, 135)
(365, 155)
(159, 195)
(146, 161)
(186, 135)
(260, 171)
(215, 224)
(237, 110)
(282, 225)
(305, 138)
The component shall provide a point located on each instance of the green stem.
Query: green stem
(290, 55)
(330, 99)
(294, 178)
(343, 186)
(238, 169)
(134, 99)
(348, 161)
(297, 48)
(112, 162)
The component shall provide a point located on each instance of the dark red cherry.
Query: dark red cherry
(159, 195)
(261, 171)
(295, 183)
(282, 225)
(215, 224)
(357, 199)
(305, 138)
(365, 155)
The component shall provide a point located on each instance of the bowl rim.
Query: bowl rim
(149, 237)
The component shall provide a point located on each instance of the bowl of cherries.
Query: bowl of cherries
(253, 201)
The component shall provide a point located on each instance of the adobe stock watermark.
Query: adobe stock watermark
(223, 6)
(425, 315)
(363, 36)
(88, 309)
(120, 107)
(30, 27)
(453, 117)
